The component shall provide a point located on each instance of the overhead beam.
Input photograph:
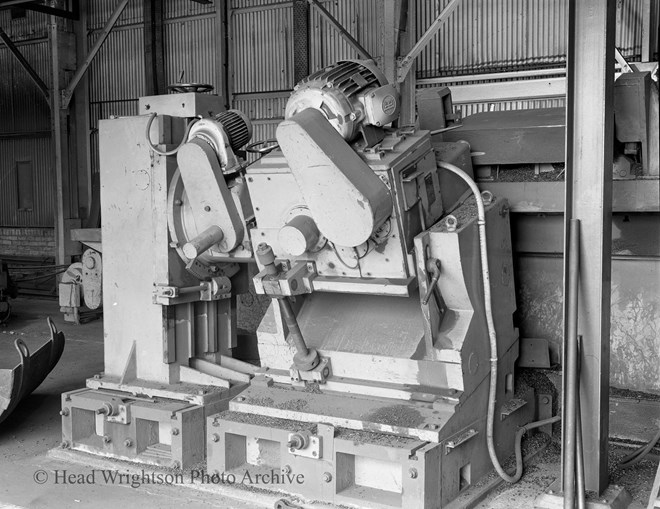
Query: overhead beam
(25, 64)
(342, 31)
(67, 93)
(589, 139)
(647, 50)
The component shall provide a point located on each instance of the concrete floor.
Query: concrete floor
(30, 437)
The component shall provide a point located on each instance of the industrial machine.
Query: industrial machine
(387, 378)
(175, 228)
(81, 285)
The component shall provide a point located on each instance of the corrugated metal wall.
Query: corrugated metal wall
(25, 122)
(480, 36)
(116, 77)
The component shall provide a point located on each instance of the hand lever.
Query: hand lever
(433, 267)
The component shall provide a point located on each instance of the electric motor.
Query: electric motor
(237, 127)
(226, 133)
(350, 94)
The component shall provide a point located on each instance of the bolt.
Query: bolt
(545, 400)
(97, 376)
(64, 412)
(433, 426)
(101, 411)
(215, 437)
(202, 392)
(551, 492)
(67, 398)
(176, 465)
(65, 444)
(286, 469)
(327, 477)
(240, 399)
(106, 439)
(128, 442)
(178, 203)
(412, 472)
(207, 208)
(175, 431)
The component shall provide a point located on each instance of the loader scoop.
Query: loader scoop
(18, 382)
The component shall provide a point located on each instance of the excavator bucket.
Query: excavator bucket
(18, 382)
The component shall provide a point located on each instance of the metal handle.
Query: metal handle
(433, 266)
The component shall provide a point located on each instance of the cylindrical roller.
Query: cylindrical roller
(299, 235)
(212, 235)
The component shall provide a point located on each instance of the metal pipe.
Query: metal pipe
(490, 324)
(570, 367)
(292, 324)
(305, 358)
(579, 472)
(202, 242)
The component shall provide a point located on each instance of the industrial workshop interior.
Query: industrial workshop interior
(306, 254)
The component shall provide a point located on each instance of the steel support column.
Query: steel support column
(63, 58)
(300, 40)
(154, 49)
(589, 139)
(408, 86)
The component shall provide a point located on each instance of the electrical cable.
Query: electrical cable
(492, 394)
(17, 281)
(640, 453)
(37, 267)
(174, 150)
(334, 248)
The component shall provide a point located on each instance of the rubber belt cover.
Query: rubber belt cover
(347, 200)
(211, 200)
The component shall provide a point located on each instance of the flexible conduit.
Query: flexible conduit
(147, 135)
(481, 222)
